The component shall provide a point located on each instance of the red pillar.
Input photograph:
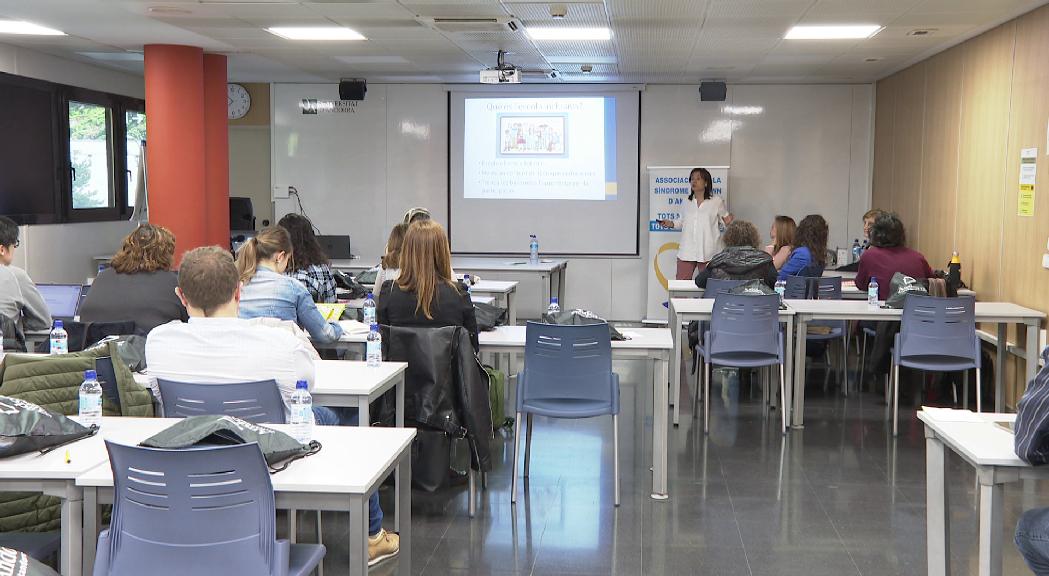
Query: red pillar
(216, 150)
(175, 133)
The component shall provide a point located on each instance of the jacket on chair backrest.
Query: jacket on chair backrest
(53, 382)
(446, 388)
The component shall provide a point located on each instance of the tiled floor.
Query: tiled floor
(840, 497)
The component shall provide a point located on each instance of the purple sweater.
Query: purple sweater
(882, 263)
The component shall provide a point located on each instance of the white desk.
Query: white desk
(49, 473)
(1000, 313)
(350, 466)
(849, 291)
(355, 385)
(356, 265)
(989, 450)
(847, 274)
(551, 272)
(684, 310)
(504, 293)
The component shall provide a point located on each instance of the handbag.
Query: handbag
(900, 287)
(278, 448)
(17, 562)
(26, 427)
(580, 317)
(488, 316)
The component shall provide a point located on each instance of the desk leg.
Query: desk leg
(398, 481)
(991, 495)
(364, 418)
(999, 366)
(937, 506)
(72, 534)
(547, 281)
(787, 403)
(561, 281)
(675, 366)
(659, 429)
(511, 308)
(1033, 330)
(358, 535)
(800, 342)
(91, 525)
(404, 513)
(399, 402)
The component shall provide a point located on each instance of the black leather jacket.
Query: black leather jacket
(446, 388)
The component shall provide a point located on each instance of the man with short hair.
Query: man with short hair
(19, 299)
(217, 347)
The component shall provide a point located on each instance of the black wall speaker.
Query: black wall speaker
(712, 91)
(355, 89)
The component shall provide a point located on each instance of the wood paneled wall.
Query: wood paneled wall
(948, 135)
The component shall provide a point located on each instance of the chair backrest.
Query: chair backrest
(173, 510)
(568, 363)
(256, 402)
(827, 288)
(934, 326)
(797, 288)
(745, 324)
(716, 286)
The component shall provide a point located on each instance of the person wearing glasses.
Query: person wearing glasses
(20, 301)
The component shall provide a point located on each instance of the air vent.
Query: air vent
(922, 32)
(460, 25)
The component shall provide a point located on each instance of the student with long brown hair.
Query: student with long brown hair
(426, 293)
(782, 233)
(310, 265)
(809, 256)
(267, 292)
(389, 267)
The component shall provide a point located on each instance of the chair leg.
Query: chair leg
(698, 386)
(783, 396)
(528, 445)
(895, 397)
(706, 399)
(471, 506)
(517, 443)
(863, 361)
(845, 362)
(320, 540)
(615, 451)
(965, 390)
(979, 393)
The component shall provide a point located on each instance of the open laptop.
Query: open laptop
(336, 247)
(63, 300)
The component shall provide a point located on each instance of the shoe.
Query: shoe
(382, 546)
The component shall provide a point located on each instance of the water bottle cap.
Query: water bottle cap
(553, 300)
(375, 327)
(58, 323)
(90, 375)
(302, 385)
(370, 296)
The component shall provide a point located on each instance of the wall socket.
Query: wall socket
(282, 192)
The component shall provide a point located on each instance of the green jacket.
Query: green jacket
(53, 382)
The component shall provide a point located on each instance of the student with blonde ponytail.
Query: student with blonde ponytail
(267, 292)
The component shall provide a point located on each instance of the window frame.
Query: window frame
(128, 105)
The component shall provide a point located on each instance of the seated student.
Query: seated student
(425, 293)
(782, 232)
(139, 285)
(389, 267)
(809, 254)
(741, 259)
(416, 214)
(19, 299)
(888, 255)
(868, 222)
(216, 347)
(268, 292)
(309, 265)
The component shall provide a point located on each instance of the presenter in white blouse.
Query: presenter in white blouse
(700, 236)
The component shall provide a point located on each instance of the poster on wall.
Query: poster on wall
(668, 189)
(1028, 171)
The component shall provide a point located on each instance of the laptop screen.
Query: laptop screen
(62, 300)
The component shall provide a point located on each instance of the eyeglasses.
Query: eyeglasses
(16, 244)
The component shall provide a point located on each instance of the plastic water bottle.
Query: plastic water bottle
(781, 289)
(857, 250)
(301, 418)
(90, 400)
(59, 339)
(374, 347)
(469, 283)
(554, 307)
(533, 250)
(369, 309)
(872, 293)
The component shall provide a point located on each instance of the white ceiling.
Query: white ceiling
(653, 41)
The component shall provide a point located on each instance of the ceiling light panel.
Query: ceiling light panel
(833, 32)
(23, 28)
(568, 34)
(316, 33)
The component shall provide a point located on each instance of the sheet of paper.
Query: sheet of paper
(951, 415)
(354, 327)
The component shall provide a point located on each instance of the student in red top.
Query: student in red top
(889, 254)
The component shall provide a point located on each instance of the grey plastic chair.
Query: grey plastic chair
(256, 402)
(797, 288)
(716, 286)
(567, 374)
(744, 333)
(936, 334)
(829, 288)
(202, 511)
(39, 545)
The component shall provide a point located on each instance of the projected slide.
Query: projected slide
(539, 148)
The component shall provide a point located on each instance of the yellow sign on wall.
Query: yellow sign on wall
(1028, 170)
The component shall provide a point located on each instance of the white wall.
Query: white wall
(249, 169)
(63, 252)
(808, 151)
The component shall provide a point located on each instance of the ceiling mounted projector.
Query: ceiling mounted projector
(503, 73)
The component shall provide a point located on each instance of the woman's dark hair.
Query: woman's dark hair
(741, 233)
(8, 231)
(305, 247)
(888, 231)
(707, 179)
(812, 234)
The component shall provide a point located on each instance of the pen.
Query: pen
(67, 457)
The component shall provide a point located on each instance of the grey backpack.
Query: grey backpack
(26, 427)
(17, 562)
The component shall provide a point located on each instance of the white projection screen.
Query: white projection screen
(561, 164)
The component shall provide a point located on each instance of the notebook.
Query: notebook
(331, 312)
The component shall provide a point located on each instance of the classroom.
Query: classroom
(296, 287)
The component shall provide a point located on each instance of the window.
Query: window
(135, 133)
(89, 156)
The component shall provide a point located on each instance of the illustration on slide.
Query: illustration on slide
(532, 135)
